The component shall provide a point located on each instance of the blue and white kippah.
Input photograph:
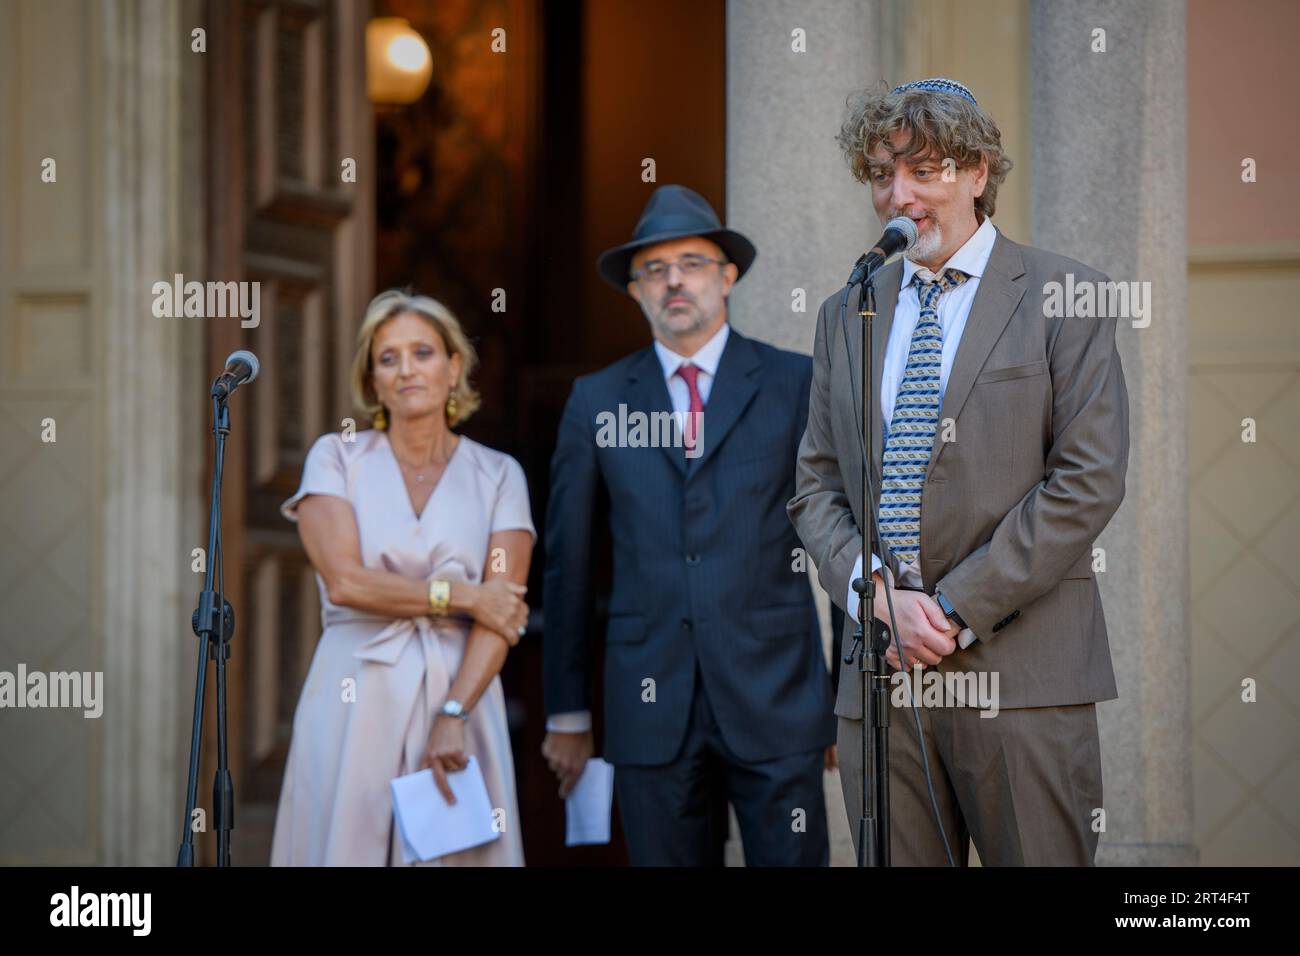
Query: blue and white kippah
(937, 85)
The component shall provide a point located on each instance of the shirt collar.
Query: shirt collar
(971, 258)
(707, 358)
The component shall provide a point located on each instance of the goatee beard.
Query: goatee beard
(927, 245)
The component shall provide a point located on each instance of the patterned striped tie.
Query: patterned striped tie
(916, 419)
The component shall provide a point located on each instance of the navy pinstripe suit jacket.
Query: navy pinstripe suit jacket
(708, 569)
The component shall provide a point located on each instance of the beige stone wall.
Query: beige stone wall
(1244, 366)
(97, 524)
(1244, 509)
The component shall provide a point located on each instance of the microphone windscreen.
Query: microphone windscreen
(249, 359)
(907, 227)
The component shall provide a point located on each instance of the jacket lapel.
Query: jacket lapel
(648, 392)
(999, 293)
(846, 407)
(886, 283)
(733, 389)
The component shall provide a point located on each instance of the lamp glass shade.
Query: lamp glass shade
(398, 63)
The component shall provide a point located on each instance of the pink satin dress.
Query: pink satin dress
(375, 684)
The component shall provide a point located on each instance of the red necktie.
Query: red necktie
(690, 375)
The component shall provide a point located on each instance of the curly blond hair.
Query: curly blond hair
(394, 302)
(937, 125)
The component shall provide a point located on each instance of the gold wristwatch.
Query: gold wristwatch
(439, 596)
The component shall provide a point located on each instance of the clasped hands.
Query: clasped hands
(924, 630)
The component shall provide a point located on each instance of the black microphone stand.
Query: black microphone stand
(873, 824)
(213, 622)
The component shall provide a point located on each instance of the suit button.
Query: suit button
(692, 558)
(686, 624)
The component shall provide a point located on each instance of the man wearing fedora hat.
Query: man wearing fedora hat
(716, 686)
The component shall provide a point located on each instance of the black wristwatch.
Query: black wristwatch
(946, 606)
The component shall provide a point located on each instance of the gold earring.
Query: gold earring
(451, 409)
(379, 420)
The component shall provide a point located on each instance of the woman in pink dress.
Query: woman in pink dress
(421, 541)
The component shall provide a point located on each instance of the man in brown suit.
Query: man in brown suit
(1003, 431)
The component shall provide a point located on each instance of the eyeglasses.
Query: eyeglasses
(656, 271)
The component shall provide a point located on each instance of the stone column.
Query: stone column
(789, 190)
(788, 187)
(149, 224)
(1108, 187)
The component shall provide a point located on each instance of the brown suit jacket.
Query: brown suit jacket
(1012, 505)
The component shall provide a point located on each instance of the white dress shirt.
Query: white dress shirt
(954, 310)
(706, 359)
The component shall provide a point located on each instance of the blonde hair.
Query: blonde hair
(937, 124)
(392, 303)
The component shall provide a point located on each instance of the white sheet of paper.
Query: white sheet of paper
(587, 808)
(429, 827)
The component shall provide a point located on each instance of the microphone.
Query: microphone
(899, 236)
(241, 367)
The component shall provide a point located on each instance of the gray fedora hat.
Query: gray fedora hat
(674, 212)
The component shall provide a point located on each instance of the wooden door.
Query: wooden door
(287, 117)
